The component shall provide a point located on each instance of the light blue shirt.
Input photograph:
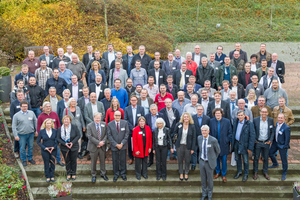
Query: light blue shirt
(145, 105)
(66, 75)
(179, 107)
(263, 130)
(239, 130)
(133, 114)
(139, 76)
(153, 120)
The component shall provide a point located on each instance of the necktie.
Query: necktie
(232, 107)
(219, 131)
(118, 127)
(204, 152)
(170, 66)
(98, 131)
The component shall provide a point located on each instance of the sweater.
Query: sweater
(272, 97)
(24, 124)
(121, 95)
(44, 116)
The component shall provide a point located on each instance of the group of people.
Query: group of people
(196, 109)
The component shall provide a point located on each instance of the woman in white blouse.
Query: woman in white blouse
(162, 142)
(251, 99)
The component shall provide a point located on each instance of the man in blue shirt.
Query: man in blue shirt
(120, 94)
(65, 73)
(180, 102)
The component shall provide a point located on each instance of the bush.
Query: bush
(4, 71)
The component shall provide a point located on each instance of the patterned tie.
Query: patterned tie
(98, 131)
(170, 66)
(204, 152)
(118, 126)
(232, 107)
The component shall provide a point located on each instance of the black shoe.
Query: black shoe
(138, 177)
(145, 177)
(203, 198)
(61, 164)
(31, 161)
(68, 179)
(149, 164)
(94, 179)
(245, 178)
(193, 167)
(115, 178)
(158, 178)
(73, 179)
(80, 156)
(164, 178)
(105, 177)
(24, 163)
(124, 178)
(237, 175)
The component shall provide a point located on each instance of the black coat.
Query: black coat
(174, 91)
(167, 140)
(74, 137)
(242, 79)
(162, 76)
(176, 120)
(129, 92)
(37, 95)
(80, 86)
(240, 90)
(191, 136)
(151, 64)
(86, 58)
(280, 69)
(92, 88)
(224, 106)
(177, 77)
(149, 121)
(205, 74)
(205, 121)
(145, 61)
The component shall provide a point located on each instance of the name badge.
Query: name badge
(77, 115)
(174, 68)
(257, 89)
(141, 75)
(138, 115)
(51, 60)
(217, 68)
(140, 132)
(29, 118)
(100, 90)
(279, 68)
(173, 117)
(66, 63)
(102, 125)
(271, 126)
(17, 106)
(161, 77)
(187, 75)
(80, 90)
(232, 71)
(122, 129)
(209, 145)
(280, 132)
(180, 126)
(35, 64)
(53, 120)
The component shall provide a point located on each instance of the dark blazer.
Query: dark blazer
(128, 92)
(224, 106)
(81, 105)
(47, 142)
(92, 88)
(117, 138)
(148, 118)
(51, 57)
(174, 91)
(242, 78)
(280, 69)
(60, 86)
(284, 136)
(92, 135)
(80, 86)
(271, 129)
(19, 76)
(209, 99)
(145, 61)
(176, 120)
(247, 137)
(60, 109)
(151, 64)
(240, 90)
(166, 67)
(243, 55)
(105, 55)
(129, 117)
(205, 121)
(225, 133)
(191, 136)
(196, 87)
(86, 58)
(162, 76)
(201, 56)
(206, 74)
(177, 77)
(167, 141)
(74, 137)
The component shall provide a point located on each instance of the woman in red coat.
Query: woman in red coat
(142, 145)
(114, 106)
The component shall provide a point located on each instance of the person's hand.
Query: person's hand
(256, 142)
(249, 151)
(268, 142)
(192, 151)
(172, 150)
(153, 152)
(47, 149)
(102, 143)
(149, 151)
(83, 129)
(219, 88)
(69, 145)
(17, 138)
(137, 153)
(119, 146)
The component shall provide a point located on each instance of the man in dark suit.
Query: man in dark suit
(278, 66)
(281, 142)
(75, 87)
(235, 86)
(207, 160)
(97, 134)
(131, 115)
(181, 76)
(170, 66)
(156, 58)
(245, 75)
(218, 103)
(159, 75)
(88, 56)
(47, 56)
(62, 104)
(110, 54)
(92, 107)
(232, 101)
(171, 88)
(220, 128)
(118, 132)
(98, 88)
(204, 100)
(190, 91)
(243, 140)
(264, 135)
(199, 120)
(150, 121)
(197, 55)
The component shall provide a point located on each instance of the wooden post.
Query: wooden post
(105, 18)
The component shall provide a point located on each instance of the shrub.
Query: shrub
(4, 71)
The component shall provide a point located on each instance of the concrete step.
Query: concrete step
(6, 111)
(8, 119)
(295, 126)
(297, 117)
(295, 135)
(295, 109)
(183, 192)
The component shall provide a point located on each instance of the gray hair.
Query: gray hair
(205, 127)
(189, 53)
(204, 58)
(142, 46)
(70, 100)
(160, 120)
(67, 91)
(153, 105)
(61, 62)
(45, 103)
(99, 75)
(60, 49)
(52, 87)
(107, 89)
(97, 113)
(241, 111)
(232, 91)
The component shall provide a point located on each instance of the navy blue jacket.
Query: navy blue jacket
(92, 77)
(225, 133)
(247, 137)
(224, 106)
(271, 129)
(60, 109)
(47, 142)
(128, 116)
(205, 121)
(246, 101)
(284, 136)
(60, 86)
(148, 118)
(15, 107)
(19, 76)
(177, 118)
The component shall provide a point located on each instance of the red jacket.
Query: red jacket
(44, 116)
(110, 115)
(192, 66)
(137, 141)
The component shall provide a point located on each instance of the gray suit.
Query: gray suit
(88, 112)
(212, 91)
(215, 65)
(121, 137)
(207, 167)
(122, 76)
(201, 56)
(96, 152)
(166, 67)
(51, 57)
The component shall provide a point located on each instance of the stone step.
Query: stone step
(297, 117)
(295, 127)
(183, 192)
(8, 119)
(190, 198)
(85, 181)
(6, 111)
(295, 109)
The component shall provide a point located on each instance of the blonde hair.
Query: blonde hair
(44, 123)
(251, 90)
(66, 116)
(191, 121)
(111, 104)
(99, 65)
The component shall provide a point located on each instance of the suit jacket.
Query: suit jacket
(51, 57)
(150, 101)
(201, 56)
(280, 69)
(205, 121)
(81, 105)
(177, 77)
(225, 133)
(122, 76)
(105, 55)
(207, 73)
(88, 112)
(284, 136)
(93, 137)
(240, 90)
(191, 136)
(74, 137)
(60, 108)
(209, 99)
(167, 140)
(118, 138)
(77, 120)
(212, 153)
(47, 142)
(92, 77)
(92, 88)
(129, 117)
(271, 129)
(242, 78)
(149, 121)
(19, 76)
(161, 75)
(175, 121)
(224, 106)
(166, 67)
(174, 91)
(196, 87)
(86, 58)
(151, 64)
(80, 86)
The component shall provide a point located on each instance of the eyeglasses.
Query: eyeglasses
(117, 115)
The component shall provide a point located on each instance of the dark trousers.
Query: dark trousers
(161, 153)
(16, 146)
(130, 155)
(283, 156)
(194, 157)
(183, 153)
(119, 162)
(238, 158)
(49, 163)
(71, 161)
(264, 150)
(141, 166)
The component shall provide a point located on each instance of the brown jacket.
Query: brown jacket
(48, 98)
(268, 56)
(289, 117)
(256, 111)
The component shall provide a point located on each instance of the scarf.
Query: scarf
(65, 133)
(236, 61)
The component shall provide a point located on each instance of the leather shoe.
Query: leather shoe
(80, 156)
(203, 198)
(209, 198)
(115, 178)
(266, 176)
(193, 167)
(237, 175)
(61, 164)
(130, 162)
(224, 179)
(216, 176)
(145, 177)
(273, 166)
(283, 177)
(158, 178)
(104, 177)
(164, 178)
(245, 178)
(24, 163)
(124, 178)
(94, 179)
(149, 164)
(31, 161)
(138, 177)
(255, 176)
